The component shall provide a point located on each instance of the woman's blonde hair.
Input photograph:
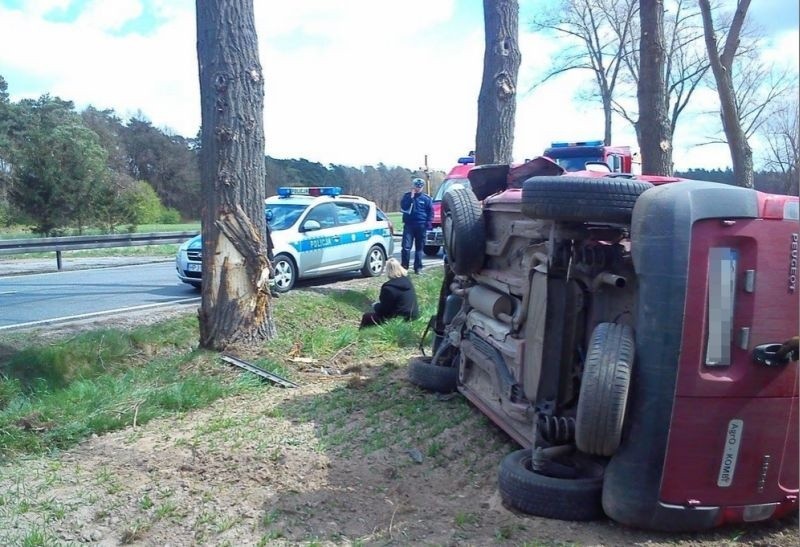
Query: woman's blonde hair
(394, 269)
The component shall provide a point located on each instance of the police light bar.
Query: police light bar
(466, 160)
(314, 191)
(561, 144)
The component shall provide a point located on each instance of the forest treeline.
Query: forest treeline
(64, 170)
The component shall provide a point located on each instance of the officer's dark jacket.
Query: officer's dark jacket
(417, 209)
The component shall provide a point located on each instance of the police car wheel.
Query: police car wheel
(375, 262)
(431, 250)
(285, 273)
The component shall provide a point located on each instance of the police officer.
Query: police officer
(417, 209)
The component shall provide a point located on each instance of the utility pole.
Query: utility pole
(427, 176)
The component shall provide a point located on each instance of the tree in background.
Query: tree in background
(597, 36)
(781, 131)
(722, 68)
(168, 162)
(655, 138)
(497, 101)
(59, 166)
(684, 68)
(5, 149)
(111, 135)
(137, 152)
(236, 303)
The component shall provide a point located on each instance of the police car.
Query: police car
(315, 231)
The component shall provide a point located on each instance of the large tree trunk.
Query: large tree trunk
(722, 67)
(236, 299)
(653, 128)
(497, 105)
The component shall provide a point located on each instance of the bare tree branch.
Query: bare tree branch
(600, 32)
(722, 68)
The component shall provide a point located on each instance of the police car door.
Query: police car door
(319, 241)
(352, 233)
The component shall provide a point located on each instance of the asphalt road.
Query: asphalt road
(28, 300)
(40, 298)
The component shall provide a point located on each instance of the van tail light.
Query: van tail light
(749, 513)
(721, 296)
(391, 227)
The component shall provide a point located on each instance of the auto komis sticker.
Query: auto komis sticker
(730, 453)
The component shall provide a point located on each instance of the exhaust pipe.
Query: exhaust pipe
(607, 278)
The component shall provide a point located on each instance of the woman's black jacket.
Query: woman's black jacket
(397, 298)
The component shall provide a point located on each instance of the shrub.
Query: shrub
(143, 203)
(169, 216)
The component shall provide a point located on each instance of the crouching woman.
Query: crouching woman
(397, 298)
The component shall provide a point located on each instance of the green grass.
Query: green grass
(56, 394)
(397, 221)
(53, 396)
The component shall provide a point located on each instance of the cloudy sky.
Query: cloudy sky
(353, 82)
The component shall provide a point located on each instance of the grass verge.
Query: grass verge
(55, 394)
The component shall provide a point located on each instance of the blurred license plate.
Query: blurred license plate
(194, 267)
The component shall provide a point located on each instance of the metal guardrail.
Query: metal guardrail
(59, 244)
(73, 243)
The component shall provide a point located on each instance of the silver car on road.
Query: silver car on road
(315, 231)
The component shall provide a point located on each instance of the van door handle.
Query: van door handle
(770, 355)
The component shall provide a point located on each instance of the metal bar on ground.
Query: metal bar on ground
(255, 369)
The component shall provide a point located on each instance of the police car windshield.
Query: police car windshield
(449, 184)
(281, 216)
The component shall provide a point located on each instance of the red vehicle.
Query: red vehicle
(575, 156)
(627, 332)
(456, 177)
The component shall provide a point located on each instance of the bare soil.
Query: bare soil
(241, 473)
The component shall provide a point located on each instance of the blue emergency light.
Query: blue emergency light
(561, 144)
(466, 160)
(313, 191)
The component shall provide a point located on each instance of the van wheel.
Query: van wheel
(285, 273)
(464, 231)
(579, 199)
(374, 263)
(431, 250)
(604, 389)
(534, 493)
(437, 378)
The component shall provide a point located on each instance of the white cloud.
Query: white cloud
(82, 62)
(351, 82)
(39, 8)
(105, 15)
(386, 102)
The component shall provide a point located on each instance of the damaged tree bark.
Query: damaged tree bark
(236, 301)
(497, 102)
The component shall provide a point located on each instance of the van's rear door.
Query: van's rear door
(734, 432)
